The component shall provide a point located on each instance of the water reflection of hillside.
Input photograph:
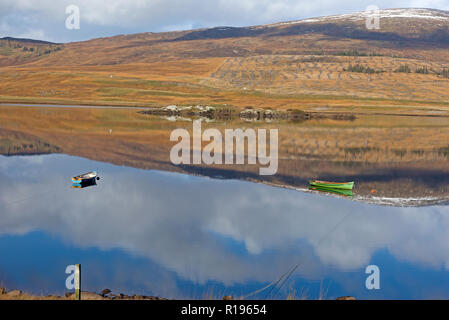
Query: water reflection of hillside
(412, 184)
(19, 143)
(393, 160)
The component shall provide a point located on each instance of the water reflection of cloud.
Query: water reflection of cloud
(174, 220)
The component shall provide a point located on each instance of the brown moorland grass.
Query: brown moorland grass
(280, 68)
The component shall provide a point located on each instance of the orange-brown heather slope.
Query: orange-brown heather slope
(331, 61)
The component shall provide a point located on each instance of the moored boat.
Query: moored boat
(342, 192)
(85, 178)
(332, 185)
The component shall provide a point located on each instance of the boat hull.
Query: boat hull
(332, 185)
(86, 181)
(84, 184)
(342, 192)
(85, 178)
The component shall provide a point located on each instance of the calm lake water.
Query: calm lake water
(181, 236)
(150, 227)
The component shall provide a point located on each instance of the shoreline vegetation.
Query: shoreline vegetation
(230, 113)
(227, 111)
(105, 294)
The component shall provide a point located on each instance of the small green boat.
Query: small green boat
(332, 185)
(341, 192)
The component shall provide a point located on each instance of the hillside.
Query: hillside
(16, 51)
(332, 61)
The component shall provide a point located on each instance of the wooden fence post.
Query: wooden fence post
(77, 282)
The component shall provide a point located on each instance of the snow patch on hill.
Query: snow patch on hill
(430, 14)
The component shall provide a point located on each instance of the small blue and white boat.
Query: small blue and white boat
(85, 178)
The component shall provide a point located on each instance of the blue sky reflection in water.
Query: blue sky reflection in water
(179, 236)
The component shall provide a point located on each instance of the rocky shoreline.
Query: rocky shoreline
(249, 113)
(105, 294)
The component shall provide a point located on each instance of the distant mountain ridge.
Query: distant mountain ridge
(27, 40)
(400, 29)
(398, 24)
(433, 27)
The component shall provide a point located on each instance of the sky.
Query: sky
(46, 19)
